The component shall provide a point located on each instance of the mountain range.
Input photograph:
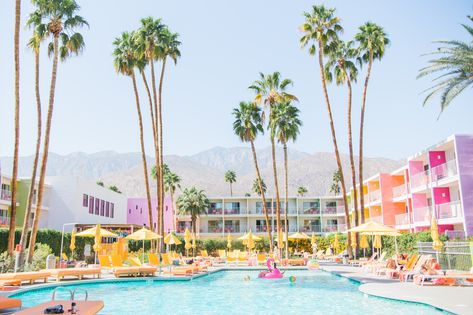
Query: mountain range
(205, 169)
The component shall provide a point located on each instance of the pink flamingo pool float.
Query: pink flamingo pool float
(273, 272)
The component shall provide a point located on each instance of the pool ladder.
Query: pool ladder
(71, 293)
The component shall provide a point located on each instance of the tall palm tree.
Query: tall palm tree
(301, 191)
(257, 189)
(230, 177)
(286, 124)
(147, 38)
(125, 63)
(172, 181)
(168, 47)
(39, 32)
(271, 89)
(321, 27)
(455, 64)
(372, 42)
(341, 68)
(193, 202)
(11, 231)
(335, 186)
(61, 21)
(247, 126)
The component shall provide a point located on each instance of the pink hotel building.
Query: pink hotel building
(437, 181)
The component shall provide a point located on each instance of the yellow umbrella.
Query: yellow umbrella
(187, 239)
(312, 239)
(437, 243)
(298, 236)
(172, 239)
(193, 241)
(377, 241)
(250, 242)
(93, 231)
(245, 237)
(335, 244)
(143, 234)
(73, 241)
(372, 227)
(229, 241)
(364, 242)
(98, 239)
(353, 239)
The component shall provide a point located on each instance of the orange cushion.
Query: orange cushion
(9, 302)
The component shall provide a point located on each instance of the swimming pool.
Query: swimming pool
(226, 292)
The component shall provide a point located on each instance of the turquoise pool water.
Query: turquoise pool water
(226, 292)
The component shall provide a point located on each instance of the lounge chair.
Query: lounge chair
(153, 260)
(369, 264)
(104, 262)
(177, 270)
(231, 258)
(406, 274)
(5, 283)
(61, 273)
(450, 277)
(134, 261)
(261, 258)
(204, 254)
(394, 273)
(117, 261)
(9, 303)
(242, 257)
(296, 262)
(29, 277)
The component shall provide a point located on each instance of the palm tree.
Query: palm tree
(320, 29)
(271, 89)
(247, 125)
(100, 183)
(147, 38)
(61, 21)
(114, 188)
(125, 63)
(172, 181)
(39, 32)
(193, 202)
(342, 68)
(11, 231)
(455, 63)
(286, 124)
(256, 187)
(301, 191)
(230, 177)
(372, 42)
(336, 179)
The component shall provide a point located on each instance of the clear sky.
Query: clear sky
(225, 45)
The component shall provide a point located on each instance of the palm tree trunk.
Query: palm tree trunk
(260, 184)
(153, 125)
(143, 152)
(335, 145)
(11, 231)
(286, 203)
(350, 147)
(362, 122)
(231, 190)
(29, 202)
(44, 160)
(157, 156)
(276, 184)
(160, 116)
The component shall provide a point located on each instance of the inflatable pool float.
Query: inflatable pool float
(272, 273)
(313, 264)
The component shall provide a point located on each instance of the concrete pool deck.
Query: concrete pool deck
(457, 300)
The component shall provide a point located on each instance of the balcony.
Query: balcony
(5, 194)
(312, 210)
(449, 210)
(342, 228)
(331, 228)
(332, 210)
(291, 211)
(375, 195)
(215, 211)
(212, 229)
(232, 211)
(311, 228)
(420, 179)
(445, 170)
(422, 214)
(261, 228)
(232, 229)
(341, 209)
(402, 219)
(399, 191)
(4, 221)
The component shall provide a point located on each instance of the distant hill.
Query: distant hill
(205, 169)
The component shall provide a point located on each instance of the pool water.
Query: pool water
(227, 292)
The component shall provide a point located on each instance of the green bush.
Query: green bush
(39, 257)
(7, 263)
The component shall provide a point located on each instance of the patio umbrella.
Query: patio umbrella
(229, 241)
(194, 246)
(312, 239)
(436, 242)
(187, 239)
(353, 241)
(372, 227)
(143, 234)
(250, 242)
(97, 241)
(377, 242)
(245, 237)
(171, 239)
(93, 231)
(298, 236)
(335, 244)
(364, 244)
(73, 241)
(395, 234)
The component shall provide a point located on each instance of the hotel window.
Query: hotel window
(112, 210)
(97, 206)
(102, 208)
(85, 200)
(107, 209)
(141, 210)
(129, 211)
(91, 205)
(136, 207)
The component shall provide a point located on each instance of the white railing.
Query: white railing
(402, 219)
(375, 195)
(311, 228)
(377, 219)
(399, 191)
(340, 209)
(422, 214)
(330, 228)
(5, 194)
(420, 179)
(342, 228)
(445, 170)
(449, 210)
(329, 210)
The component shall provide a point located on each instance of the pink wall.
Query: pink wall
(137, 212)
(441, 195)
(416, 167)
(437, 158)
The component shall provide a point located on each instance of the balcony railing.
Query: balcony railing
(331, 228)
(420, 179)
(341, 209)
(261, 228)
(311, 228)
(422, 214)
(312, 210)
(232, 229)
(399, 191)
(291, 211)
(4, 221)
(445, 170)
(329, 210)
(449, 210)
(402, 219)
(375, 195)
(342, 227)
(215, 211)
(232, 211)
(377, 219)
(5, 194)
(212, 229)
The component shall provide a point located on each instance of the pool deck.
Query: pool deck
(457, 300)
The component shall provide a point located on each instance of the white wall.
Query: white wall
(65, 203)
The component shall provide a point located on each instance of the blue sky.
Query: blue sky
(225, 45)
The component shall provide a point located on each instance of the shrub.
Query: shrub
(7, 263)
(39, 257)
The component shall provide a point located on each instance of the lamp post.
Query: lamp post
(62, 237)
